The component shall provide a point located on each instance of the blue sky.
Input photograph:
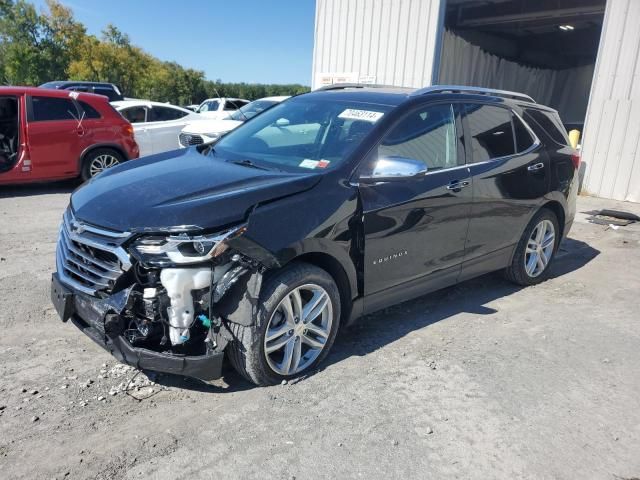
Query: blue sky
(254, 41)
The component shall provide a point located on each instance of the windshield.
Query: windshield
(302, 134)
(251, 110)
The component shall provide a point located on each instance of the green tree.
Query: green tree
(35, 48)
(51, 45)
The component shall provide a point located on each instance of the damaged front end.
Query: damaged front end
(152, 300)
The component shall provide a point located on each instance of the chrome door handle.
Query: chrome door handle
(457, 185)
(535, 167)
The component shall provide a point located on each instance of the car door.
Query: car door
(163, 127)
(12, 122)
(137, 116)
(509, 169)
(55, 136)
(415, 229)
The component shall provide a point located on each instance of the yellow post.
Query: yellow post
(574, 138)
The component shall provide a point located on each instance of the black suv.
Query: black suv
(109, 90)
(328, 206)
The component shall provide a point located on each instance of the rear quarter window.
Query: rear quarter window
(550, 123)
(89, 111)
(107, 92)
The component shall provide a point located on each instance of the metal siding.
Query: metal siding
(393, 40)
(610, 148)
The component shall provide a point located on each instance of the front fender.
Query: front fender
(284, 230)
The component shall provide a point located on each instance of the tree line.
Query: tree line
(37, 47)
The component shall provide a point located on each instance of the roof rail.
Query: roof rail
(473, 90)
(342, 86)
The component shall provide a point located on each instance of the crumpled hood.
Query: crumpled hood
(180, 190)
(211, 126)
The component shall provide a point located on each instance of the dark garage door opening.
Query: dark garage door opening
(544, 48)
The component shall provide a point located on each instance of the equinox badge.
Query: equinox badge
(394, 256)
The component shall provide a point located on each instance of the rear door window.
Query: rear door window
(46, 109)
(135, 114)
(165, 114)
(234, 104)
(490, 131)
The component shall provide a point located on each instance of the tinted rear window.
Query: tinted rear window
(107, 92)
(490, 131)
(549, 122)
(50, 109)
(135, 114)
(89, 111)
(164, 114)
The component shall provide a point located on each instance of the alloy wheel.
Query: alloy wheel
(101, 163)
(539, 248)
(298, 329)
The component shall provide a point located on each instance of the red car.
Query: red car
(56, 134)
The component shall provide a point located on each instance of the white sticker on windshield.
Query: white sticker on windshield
(365, 115)
(74, 95)
(306, 163)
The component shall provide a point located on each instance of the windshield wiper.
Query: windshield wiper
(248, 163)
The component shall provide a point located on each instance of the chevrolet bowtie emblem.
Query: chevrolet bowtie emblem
(78, 227)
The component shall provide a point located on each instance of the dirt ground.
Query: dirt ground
(482, 380)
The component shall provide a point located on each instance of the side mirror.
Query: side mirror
(395, 168)
(282, 122)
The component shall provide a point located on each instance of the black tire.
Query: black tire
(516, 272)
(93, 156)
(246, 351)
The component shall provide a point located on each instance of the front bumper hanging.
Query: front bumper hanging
(100, 320)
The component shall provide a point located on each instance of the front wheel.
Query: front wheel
(99, 160)
(536, 249)
(296, 326)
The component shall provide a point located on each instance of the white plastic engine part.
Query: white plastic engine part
(179, 282)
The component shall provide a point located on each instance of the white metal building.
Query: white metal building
(581, 57)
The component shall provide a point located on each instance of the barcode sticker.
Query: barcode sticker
(365, 115)
(307, 163)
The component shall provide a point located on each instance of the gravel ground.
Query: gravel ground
(482, 380)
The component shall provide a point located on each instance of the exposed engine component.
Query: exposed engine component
(179, 283)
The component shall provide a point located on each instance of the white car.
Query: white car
(220, 107)
(209, 130)
(155, 124)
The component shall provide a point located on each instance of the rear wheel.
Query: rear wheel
(99, 160)
(536, 249)
(296, 326)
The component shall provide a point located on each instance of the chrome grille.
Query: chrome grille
(188, 139)
(88, 258)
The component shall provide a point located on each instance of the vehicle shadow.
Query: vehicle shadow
(374, 331)
(34, 189)
(231, 382)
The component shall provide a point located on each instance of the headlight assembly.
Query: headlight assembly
(161, 251)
